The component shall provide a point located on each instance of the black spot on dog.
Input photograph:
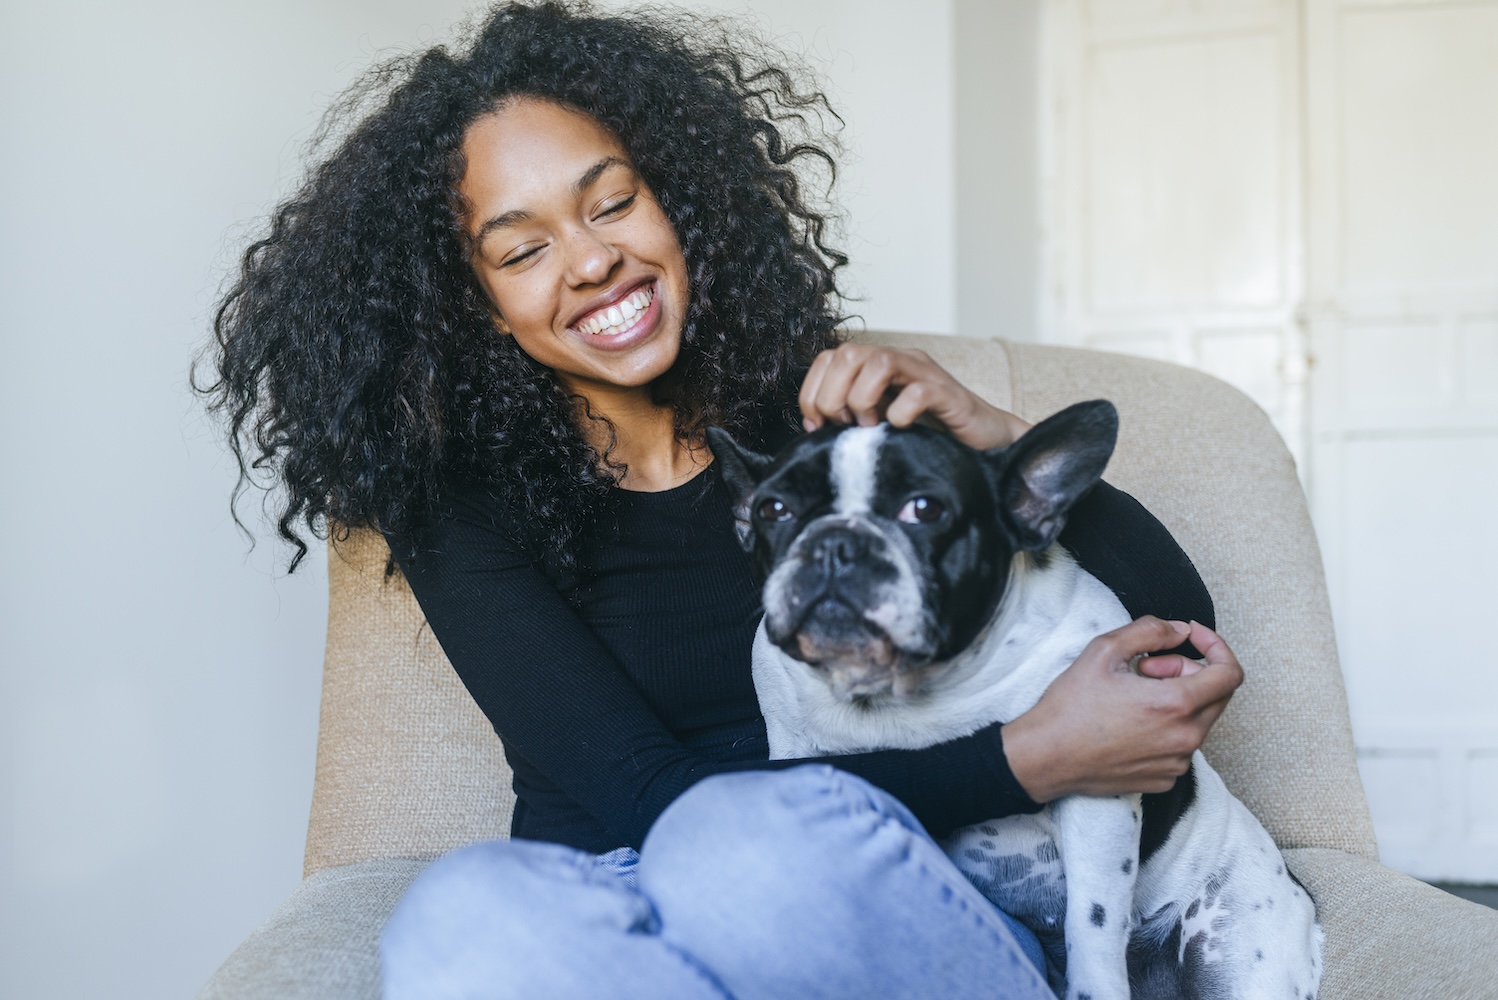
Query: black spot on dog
(1192, 910)
(973, 854)
(1280, 870)
(1010, 868)
(1127, 866)
(1084, 996)
(989, 829)
(987, 844)
(1258, 954)
(1213, 887)
(1047, 852)
(1099, 915)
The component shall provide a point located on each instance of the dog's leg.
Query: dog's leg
(1099, 843)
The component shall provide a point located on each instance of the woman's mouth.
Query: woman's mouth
(618, 317)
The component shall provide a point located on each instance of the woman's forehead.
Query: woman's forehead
(530, 148)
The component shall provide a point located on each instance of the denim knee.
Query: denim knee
(812, 882)
(752, 811)
(500, 918)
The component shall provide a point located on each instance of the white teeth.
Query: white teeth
(619, 316)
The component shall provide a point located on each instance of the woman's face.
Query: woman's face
(572, 248)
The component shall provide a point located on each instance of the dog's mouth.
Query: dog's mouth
(860, 658)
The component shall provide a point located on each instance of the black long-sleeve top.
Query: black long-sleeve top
(615, 694)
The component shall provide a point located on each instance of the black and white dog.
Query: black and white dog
(913, 594)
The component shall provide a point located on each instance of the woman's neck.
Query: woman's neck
(645, 442)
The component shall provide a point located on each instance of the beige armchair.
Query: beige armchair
(408, 768)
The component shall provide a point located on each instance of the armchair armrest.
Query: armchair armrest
(1391, 937)
(322, 943)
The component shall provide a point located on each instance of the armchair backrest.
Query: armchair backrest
(407, 766)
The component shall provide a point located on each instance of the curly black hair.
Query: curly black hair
(356, 359)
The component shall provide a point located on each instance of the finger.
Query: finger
(1218, 658)
(912, 403)
(1167, 665)
(1213, 683)
(1213, 649)
(831, 400)
(869, 389)
(811, 419)
(1143, 635)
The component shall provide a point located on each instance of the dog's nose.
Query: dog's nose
(836, 551)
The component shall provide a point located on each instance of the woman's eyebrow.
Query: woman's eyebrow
(595, 171)
(580, 185)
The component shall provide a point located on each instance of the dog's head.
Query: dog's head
(884, 552)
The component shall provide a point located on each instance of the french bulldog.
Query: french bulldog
(914, 593)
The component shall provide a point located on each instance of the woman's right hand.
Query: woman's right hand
(1102, 728)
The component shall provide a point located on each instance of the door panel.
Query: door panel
(1403, 300)
(1299, 197)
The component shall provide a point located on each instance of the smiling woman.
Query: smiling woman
(495, 324)
(357, 353)
(573, 250)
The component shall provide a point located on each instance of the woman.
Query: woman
(494, 324)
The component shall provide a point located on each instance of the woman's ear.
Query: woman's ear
(500, 324)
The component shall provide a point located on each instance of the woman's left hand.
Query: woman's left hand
(863, 384)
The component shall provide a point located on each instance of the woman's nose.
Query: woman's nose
(590, 260)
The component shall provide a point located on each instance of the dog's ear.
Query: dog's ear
(1040, 476)
(742, 471)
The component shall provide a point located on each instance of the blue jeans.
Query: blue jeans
(781, 885)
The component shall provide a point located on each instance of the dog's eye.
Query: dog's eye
(921, 510)
(774, 510)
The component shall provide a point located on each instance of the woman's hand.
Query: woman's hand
(1104, 729)
(862, 384)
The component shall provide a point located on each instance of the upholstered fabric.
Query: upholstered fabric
(1388, 935)
(321, 944)
(407, 767)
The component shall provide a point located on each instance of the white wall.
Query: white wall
(889, 70)
(160, 686)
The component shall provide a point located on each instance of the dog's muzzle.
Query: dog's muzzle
(846, 599)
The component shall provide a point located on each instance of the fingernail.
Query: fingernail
(1181, 627)
(807, 423)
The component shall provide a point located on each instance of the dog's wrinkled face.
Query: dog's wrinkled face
(885, 551)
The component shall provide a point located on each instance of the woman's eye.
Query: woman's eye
(617, 206)
(775, 510)
(921, 510)
(519, 257)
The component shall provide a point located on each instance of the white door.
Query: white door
(1402, 302)
(1301, 197)
(1171, 186)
